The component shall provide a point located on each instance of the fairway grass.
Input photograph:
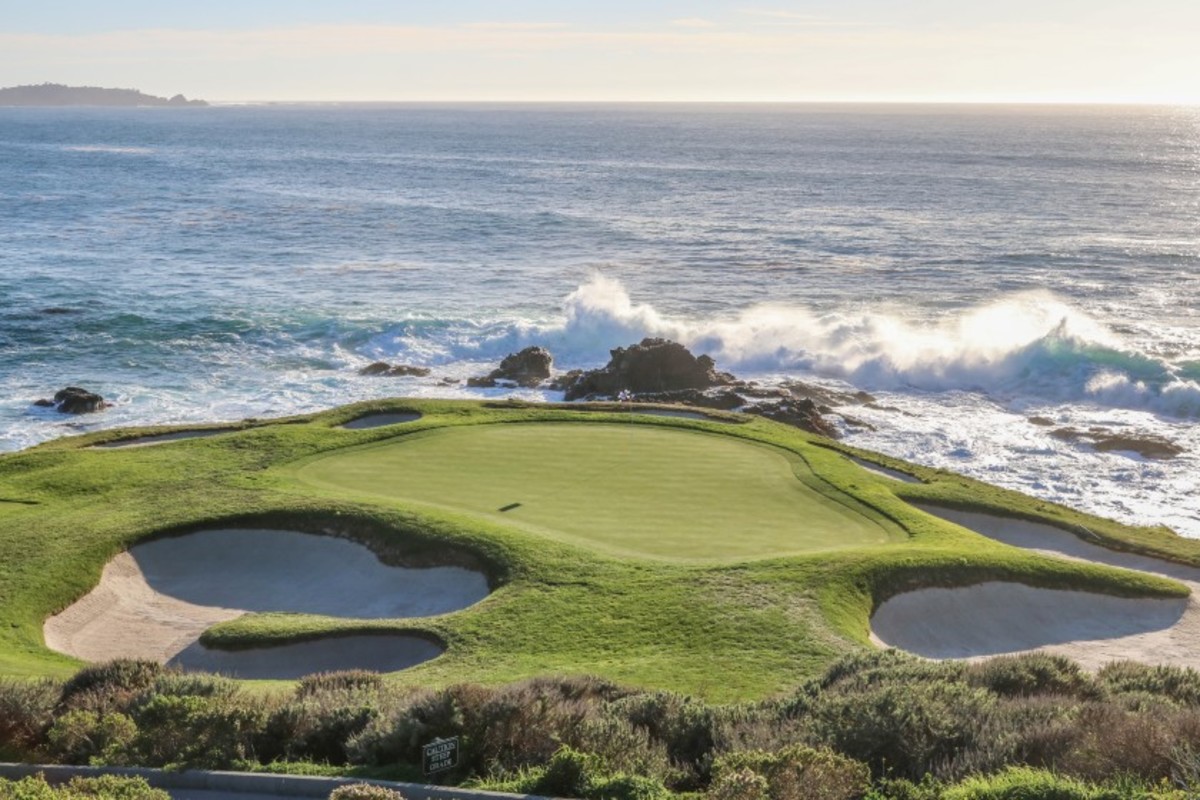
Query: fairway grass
(729, 559)
(631, 490)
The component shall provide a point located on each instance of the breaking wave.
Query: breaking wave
(1028, 345)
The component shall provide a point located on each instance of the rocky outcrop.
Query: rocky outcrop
(653, 365)
(386, 370)
(527, 368)
(74, 400)
(1147, 445)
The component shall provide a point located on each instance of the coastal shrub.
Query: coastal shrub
(901, 730)
(397, 736)
(1175, 683)
(26, 712)
(1113, 741)
(116, 681)
(90, 737)
(1032, 674)
(1023, 783)
(364, 791)
(627, 749)
(105, 787)
(350, 680)
(929, 788)
(797, 773)
(738, 784)
(1036, 731)
(570, 773)
(195, 731)
(314, 729)
(687, 728)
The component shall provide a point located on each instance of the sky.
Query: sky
(613, 50)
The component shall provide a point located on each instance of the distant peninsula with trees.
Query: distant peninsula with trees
(56, 94)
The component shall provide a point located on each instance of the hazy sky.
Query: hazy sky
(1018, 50)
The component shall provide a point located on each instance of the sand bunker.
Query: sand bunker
(379, 420)
(886, 472)
(993, 618)
(377, 652)
(161, 438)
(155, 600)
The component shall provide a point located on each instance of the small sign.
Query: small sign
(440, 755)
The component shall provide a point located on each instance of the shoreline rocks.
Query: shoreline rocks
(527, 368)
(385, 370)
(651, 366)
(75, 400)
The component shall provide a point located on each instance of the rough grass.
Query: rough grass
(746, 627)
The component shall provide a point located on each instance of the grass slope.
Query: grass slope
(705, 616)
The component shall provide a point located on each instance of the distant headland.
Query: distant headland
(56, 94)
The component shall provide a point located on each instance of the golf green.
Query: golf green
(638, 490)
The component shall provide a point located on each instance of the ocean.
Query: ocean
(973, 267)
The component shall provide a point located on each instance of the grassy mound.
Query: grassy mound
(725, 560)
(623, 489)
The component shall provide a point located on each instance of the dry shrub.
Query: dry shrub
(1177, 684)
(110, 686)
(26, 712)
(364, 791)
(350, 680)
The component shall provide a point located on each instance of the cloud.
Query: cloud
(516, 26)
(693, 22)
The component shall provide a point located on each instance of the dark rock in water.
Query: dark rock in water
(827, 397)
(563, 382)
(58, 310)
(527, 368)
(654, 365)
(1147, 445)
(74, 400)
(386, 370)
(1044, 422)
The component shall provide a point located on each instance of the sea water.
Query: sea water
(970, 266)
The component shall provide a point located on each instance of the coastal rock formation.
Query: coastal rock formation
(74, 400)
(654, 365)
(527, 368)
(386, 370)
(1147, 445)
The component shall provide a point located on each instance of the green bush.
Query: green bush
(796, 773)
(738, 784)
(105, 787)
(1023, 783)
(904, 730)
(90, 737)
(201, 732)
(1032, 674)
(1175, 683)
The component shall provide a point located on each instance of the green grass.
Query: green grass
(726, 560)
(631, 490)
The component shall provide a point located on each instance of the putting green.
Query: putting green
(636, 490)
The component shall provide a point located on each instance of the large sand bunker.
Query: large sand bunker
(993, 618)
(155, 600)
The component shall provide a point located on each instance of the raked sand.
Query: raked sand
(993, 618)
(155, 600)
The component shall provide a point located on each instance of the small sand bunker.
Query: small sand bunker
(161, 438)
(887, 472)
(155, 600)
(993, 618)
(380, 420)
(376, 652)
